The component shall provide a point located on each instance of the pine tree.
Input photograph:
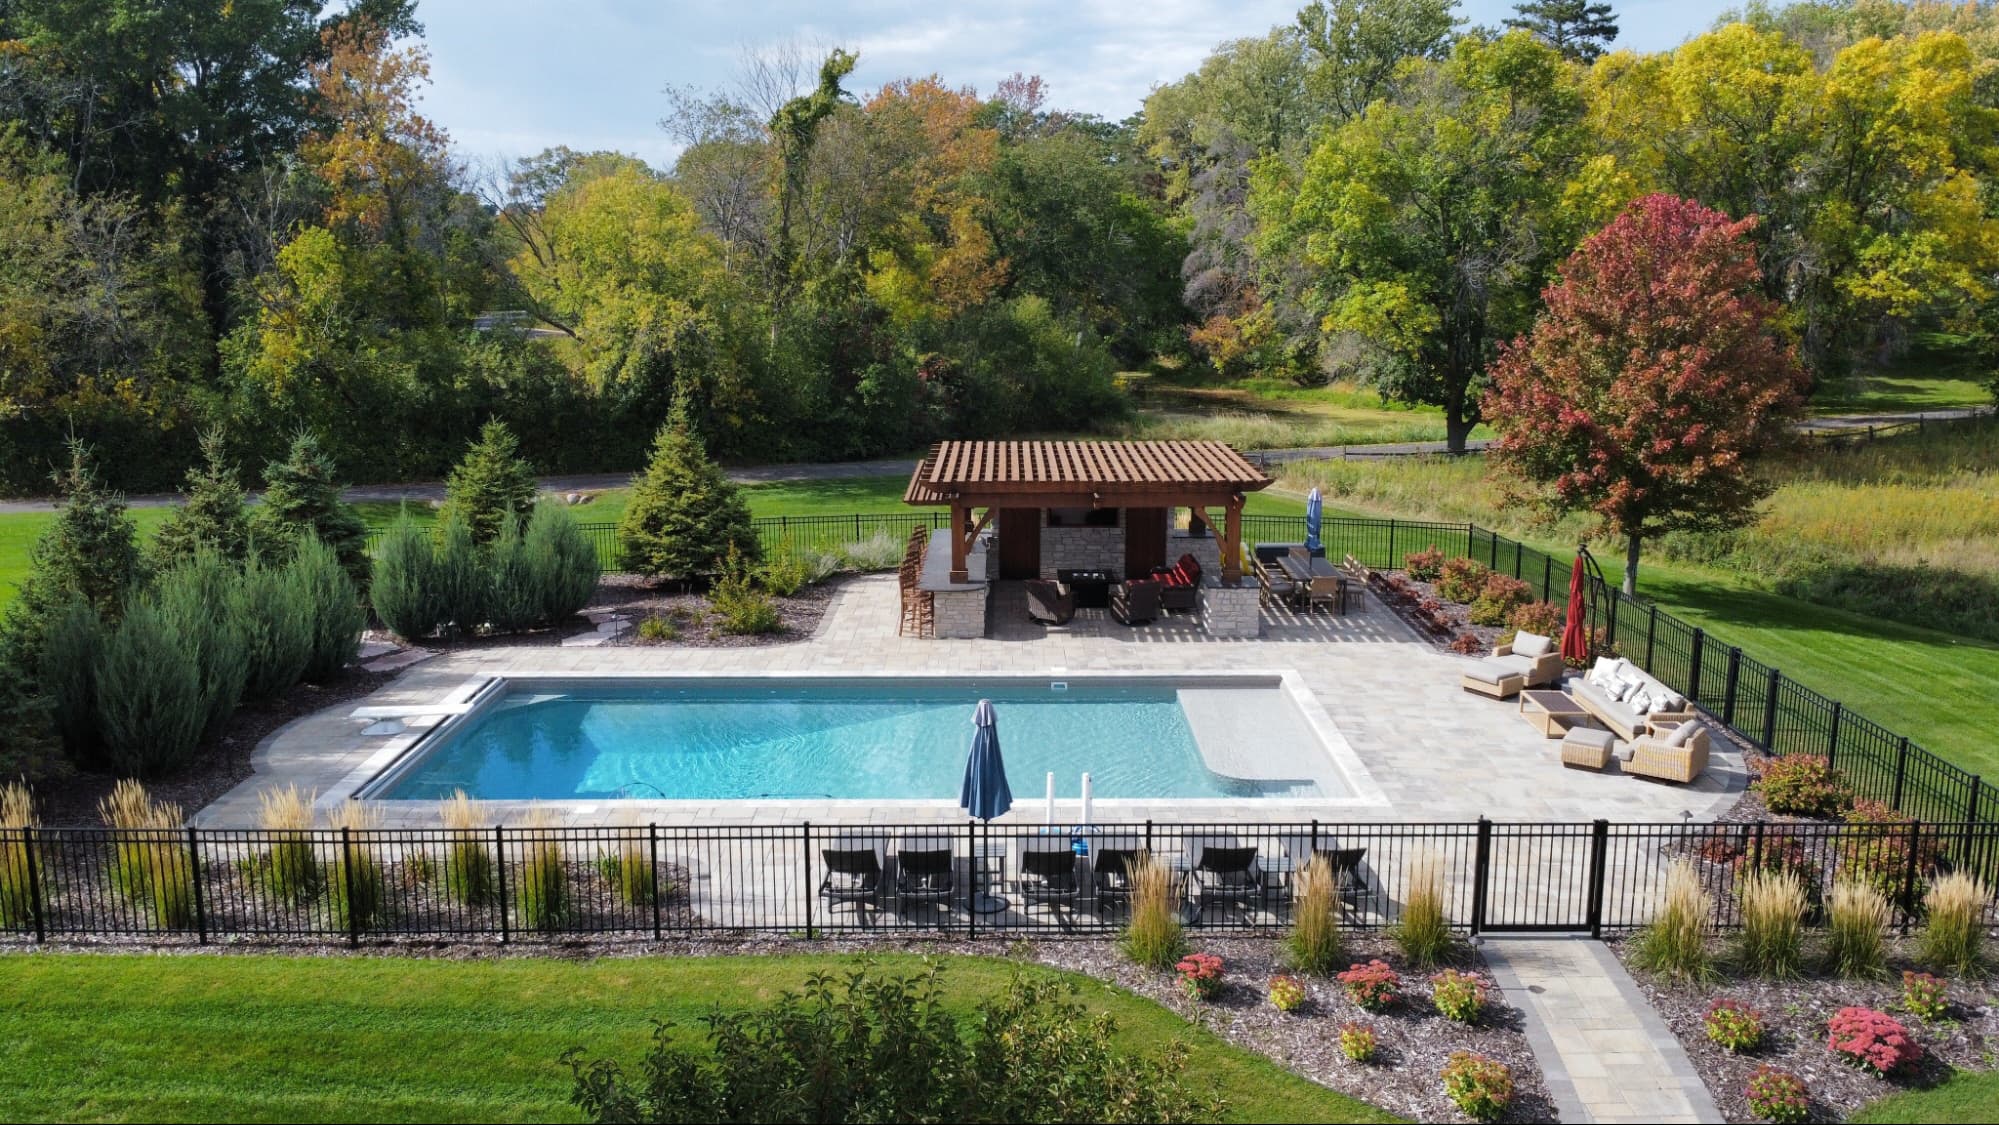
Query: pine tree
(1579, 29)
(213, 515)
(684, 514)
(91, 551)
(491, 486)
(301, 496)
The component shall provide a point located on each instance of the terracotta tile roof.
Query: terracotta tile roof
(1110, 468)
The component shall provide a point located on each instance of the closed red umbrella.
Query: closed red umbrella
(1575, 633)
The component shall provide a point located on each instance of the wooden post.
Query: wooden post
(1232, 543)
(960, 544)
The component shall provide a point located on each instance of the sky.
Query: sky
(512, 77)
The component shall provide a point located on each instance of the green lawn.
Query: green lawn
(1965, 1097)
(272, 1038)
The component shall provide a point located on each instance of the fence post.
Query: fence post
(347, 884)
(1694, 665)
(1728, 690)
(34, 884)
(1390, 564)
(1481, 870)
(805, 866)
(200, 902)
(1770, 710)
(1832, 733)
(500, 865)
(1518, 549)
(1547, 576)
(972, 879)
(1971, 815)
(652, 853)
(1492, 552)
(1599, 848)
(1909, 875)
(1901, 771)
(1471, 537)
(1651, 631)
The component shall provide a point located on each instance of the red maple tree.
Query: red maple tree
(1652, 380)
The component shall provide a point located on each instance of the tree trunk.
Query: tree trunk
(1631, 566)
(1457, 430)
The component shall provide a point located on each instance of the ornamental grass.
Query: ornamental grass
(1773, 923)
(1155, 936)
(541, 892)
(1314, 943)
(149, 860)
(359, 889)
(1675, 944)
(294, 871)
(469, 873)
(1424, 931)
(17, 817)
(1954, 931)
(1856, 931)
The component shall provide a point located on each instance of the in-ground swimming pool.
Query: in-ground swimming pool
(877, 739)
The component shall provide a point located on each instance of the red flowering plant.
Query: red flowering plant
(1200, 975)
(1874, 1041)
(1778, 1096)
(1374, 986)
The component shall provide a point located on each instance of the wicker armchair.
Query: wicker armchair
(1652, 757)
(1540, 671)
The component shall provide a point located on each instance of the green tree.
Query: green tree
(794, 128)
(492, 487)
(1579, 29)
(684, 516)
(91, 553)
(1429, 221)
(316, 578)
(1358, 45)
(211, 517)
(301, 498)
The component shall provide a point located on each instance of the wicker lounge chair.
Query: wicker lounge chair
(1136, 602)
(1050, 603)
(1671, 751)
(1180, 584)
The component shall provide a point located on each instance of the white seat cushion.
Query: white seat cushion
(1530, 645)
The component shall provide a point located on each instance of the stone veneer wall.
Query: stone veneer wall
(1083, 548)
(960, 614)
(1230, 611)
(1202, 547)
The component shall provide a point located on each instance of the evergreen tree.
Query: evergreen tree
(684, 514)
(492, 486)
(91, 551)
(1579, 29)
(318, 580)
(301, 497)
(213, 516)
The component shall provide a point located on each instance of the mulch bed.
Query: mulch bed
(695, 622)
(1795, 1013)
(1408, 606)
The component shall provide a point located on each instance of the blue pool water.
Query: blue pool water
(739, 740)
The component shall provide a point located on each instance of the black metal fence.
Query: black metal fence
(965, 879)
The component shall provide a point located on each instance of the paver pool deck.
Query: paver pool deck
(1425, 749)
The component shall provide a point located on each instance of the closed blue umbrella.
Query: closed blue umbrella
(1315, 512)
(985, 794)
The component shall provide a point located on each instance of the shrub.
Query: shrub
(1778, 1096)
(1544, 618)
(866, 1046)
(1925, 996)
(1733, 1026)
(1200, 975)
(1804, 785)
(211, 516)
(492, 487)
(1358, 1042)
(562, 560)
(880, 551)
(1784, 853)
(512, 598)
(1287, 994)
(628, 870)
(1876, 851)
(406, 592)
(1954, 928)
(1873, 1041)
(469, 873)
(321, 583)
(783, 575)
(1675, 943)
(1460, 997)
(293, 874)
(72, 653)
(277, 626)
(194, 601)
(657, 630)
(1856, 923)
(541, 894)
(17, 816)
(463, 585)
(1374, 987)
(1424, 565)
(1461, 580)
(1467, 644)
(1498, 598)
(149, 855)
(1773, 919)
(148, 692)
(1480, 1087)
(1313, 943)
(744, 608)
(1423, 932)
(302, 500)
(684, 516)
(357, 886)
(1154, 938)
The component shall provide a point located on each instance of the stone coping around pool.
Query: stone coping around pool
(1386, 703)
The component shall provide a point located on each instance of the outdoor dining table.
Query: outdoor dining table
(1302, 571)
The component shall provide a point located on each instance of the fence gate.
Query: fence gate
(1538, 878)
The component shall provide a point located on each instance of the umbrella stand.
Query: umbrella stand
(985, 866)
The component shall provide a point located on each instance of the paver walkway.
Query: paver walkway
(1606, 1054)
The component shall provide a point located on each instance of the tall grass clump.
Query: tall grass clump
(405, 589)
(17, 816)
(1154, 937)
(469, 874)
(1314, 944)
(1954, 930)
(1773, 922)
(148, 695)
(880, 551)
(1675, 944)
(627, 867)
(278, 629)
(1856, 931)
(149, 865)
(359, 889)
(318, 581)
(1424, 931)
(541, 890)
(286, 814)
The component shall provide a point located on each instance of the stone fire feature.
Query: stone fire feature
(1231, 611)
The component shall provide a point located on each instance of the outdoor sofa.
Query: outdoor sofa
(1624, 699)
(1179, 584)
